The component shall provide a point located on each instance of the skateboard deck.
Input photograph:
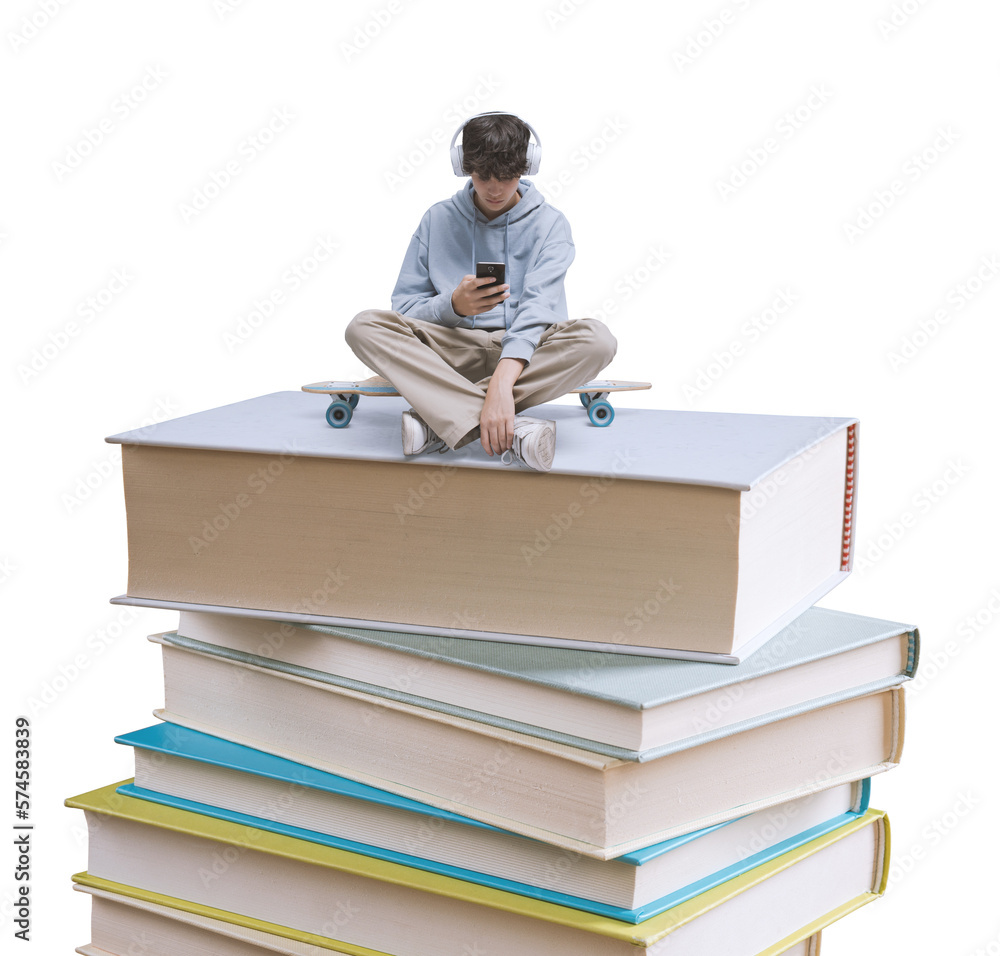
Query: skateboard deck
(346, 395)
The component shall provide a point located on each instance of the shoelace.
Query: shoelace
(515, 456)
(510, 457)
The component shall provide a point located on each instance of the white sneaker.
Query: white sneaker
(534, 443)
(417, 436)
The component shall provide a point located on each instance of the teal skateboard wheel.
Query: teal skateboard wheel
(339, 414)
(601, 413)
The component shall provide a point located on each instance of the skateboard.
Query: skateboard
(346, 395)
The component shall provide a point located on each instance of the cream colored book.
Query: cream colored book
(169, 927)
(689, 534)
(249, 874)
(565, 795)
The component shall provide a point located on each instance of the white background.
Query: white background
(644, 109)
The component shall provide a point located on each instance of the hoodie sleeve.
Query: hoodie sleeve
(543, 300)
(414, 294)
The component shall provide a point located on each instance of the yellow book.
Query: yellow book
(374, 905)
(121, 914)
(124, 914)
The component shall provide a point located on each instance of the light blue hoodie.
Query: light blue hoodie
(533, 239)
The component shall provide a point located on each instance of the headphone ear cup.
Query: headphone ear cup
(456, 160)
(533, 158)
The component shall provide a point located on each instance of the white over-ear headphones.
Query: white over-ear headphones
(533, 157)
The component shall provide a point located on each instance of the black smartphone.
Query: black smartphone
(494, 270)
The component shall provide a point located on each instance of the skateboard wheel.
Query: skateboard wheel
(353, 400)
(585, 399)
(601, 413)
(338, 415)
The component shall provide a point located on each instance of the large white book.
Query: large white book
(688, 534)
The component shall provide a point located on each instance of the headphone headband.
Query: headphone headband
(533, 157)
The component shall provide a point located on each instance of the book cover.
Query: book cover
(859, 848)
(200, 748)
(495, 774)
(125, 918)
(140, 914)
(711, 531)
(621, 705)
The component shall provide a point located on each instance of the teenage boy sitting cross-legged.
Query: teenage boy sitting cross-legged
(470, 355)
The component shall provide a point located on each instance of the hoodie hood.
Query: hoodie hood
(530, 200)
(532, 239)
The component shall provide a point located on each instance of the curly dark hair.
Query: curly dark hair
(495, 146)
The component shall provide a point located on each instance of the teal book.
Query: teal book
(625, 706)
(192, 771)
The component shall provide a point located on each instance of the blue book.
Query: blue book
(186, 769)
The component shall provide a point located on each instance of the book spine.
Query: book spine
(885, 854)
(847, 546)
(913, 653)
(898, 728)
(864, 795)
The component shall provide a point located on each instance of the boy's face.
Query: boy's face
(495, 196)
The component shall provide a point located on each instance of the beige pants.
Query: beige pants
(444, 372)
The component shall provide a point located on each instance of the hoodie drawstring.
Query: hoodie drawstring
(506, 264)
(506, 223)
(474, 218)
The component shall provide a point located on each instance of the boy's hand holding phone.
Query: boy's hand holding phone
(480, 293)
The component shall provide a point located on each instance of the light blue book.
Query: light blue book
(623, 706)
(189, 770)
(573, 795)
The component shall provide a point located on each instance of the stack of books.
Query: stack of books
(442, 707)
